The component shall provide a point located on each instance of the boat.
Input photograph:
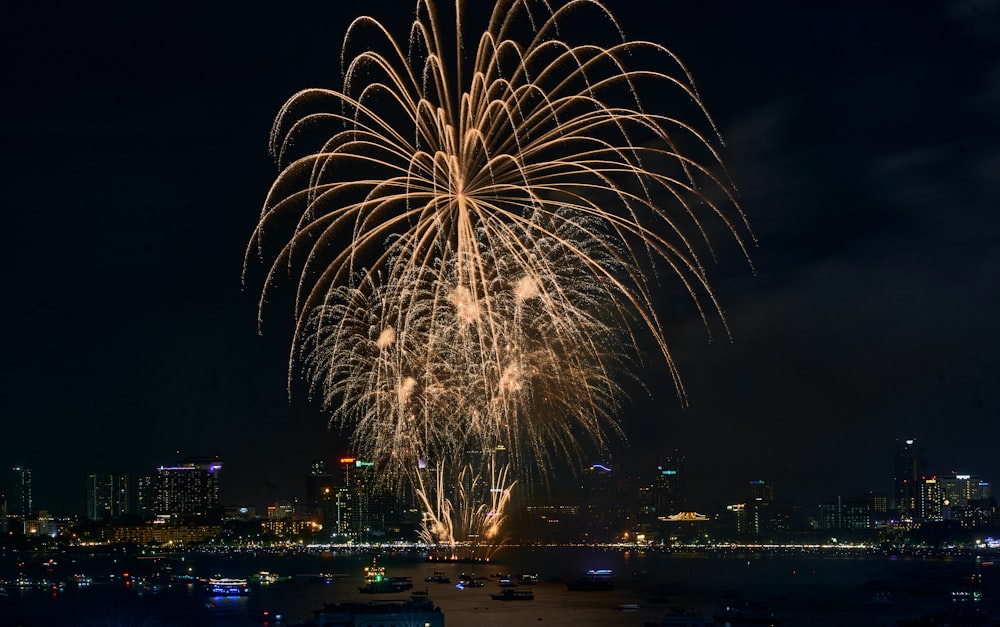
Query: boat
(227, 587)
(510, 594)
(627, 607)
(594, 580)
(143, 585)
(527, 579)
(264, 577)
(438, 577)
(469, 581)
(25, 583)
(376, 581)
(268, 617)
(746, 614)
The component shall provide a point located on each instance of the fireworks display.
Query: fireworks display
(477, 224)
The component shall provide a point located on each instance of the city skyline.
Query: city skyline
(914, 469)
(866, 160)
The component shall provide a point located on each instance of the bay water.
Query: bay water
(803, 588)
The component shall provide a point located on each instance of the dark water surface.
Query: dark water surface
(804, 589)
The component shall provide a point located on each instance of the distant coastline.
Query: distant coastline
(985, 550)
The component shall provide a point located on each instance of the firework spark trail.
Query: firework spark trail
(438, 526)
(416, 380)
(472, 238)
(442, 385)
(482, 493)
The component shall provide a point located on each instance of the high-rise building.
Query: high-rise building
(342, 503)
(906, 487)
(645, 509)
(929, 500)
(597, 484)
(282, 510)
(879, 503)
(328, 511)
(319, 482)
(145, 496)
(981, 491)
(372, 495)
(963, 497)
(348, 519)
(602, 511)
(761, 491)
(189, 489)
(856, 514)
(107, 496)
(845, 514)
(759, 512)
(669, 486)
(958, 489)
(363, 491)
(24, 507)
(738, 512)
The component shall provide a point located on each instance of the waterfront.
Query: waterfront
(804, 588)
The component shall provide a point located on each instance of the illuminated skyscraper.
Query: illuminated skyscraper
(596, 484)
(328, 510)
(603, 511)
(670, 486)
(342, 504)
(963, 497)
(981, 491)
(145, 496)
(368, 499)
(879, 503)
(905, 485)
(24, 507)
(354, 496)
(346, 498)
(107, 496)
(759, 511)
(374, 497)
(319, 482)
(189, 489)
(845, 514)
(929, 500)
(958, 489)
(761, 491)
(347, 464)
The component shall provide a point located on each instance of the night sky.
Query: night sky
(863, 139)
